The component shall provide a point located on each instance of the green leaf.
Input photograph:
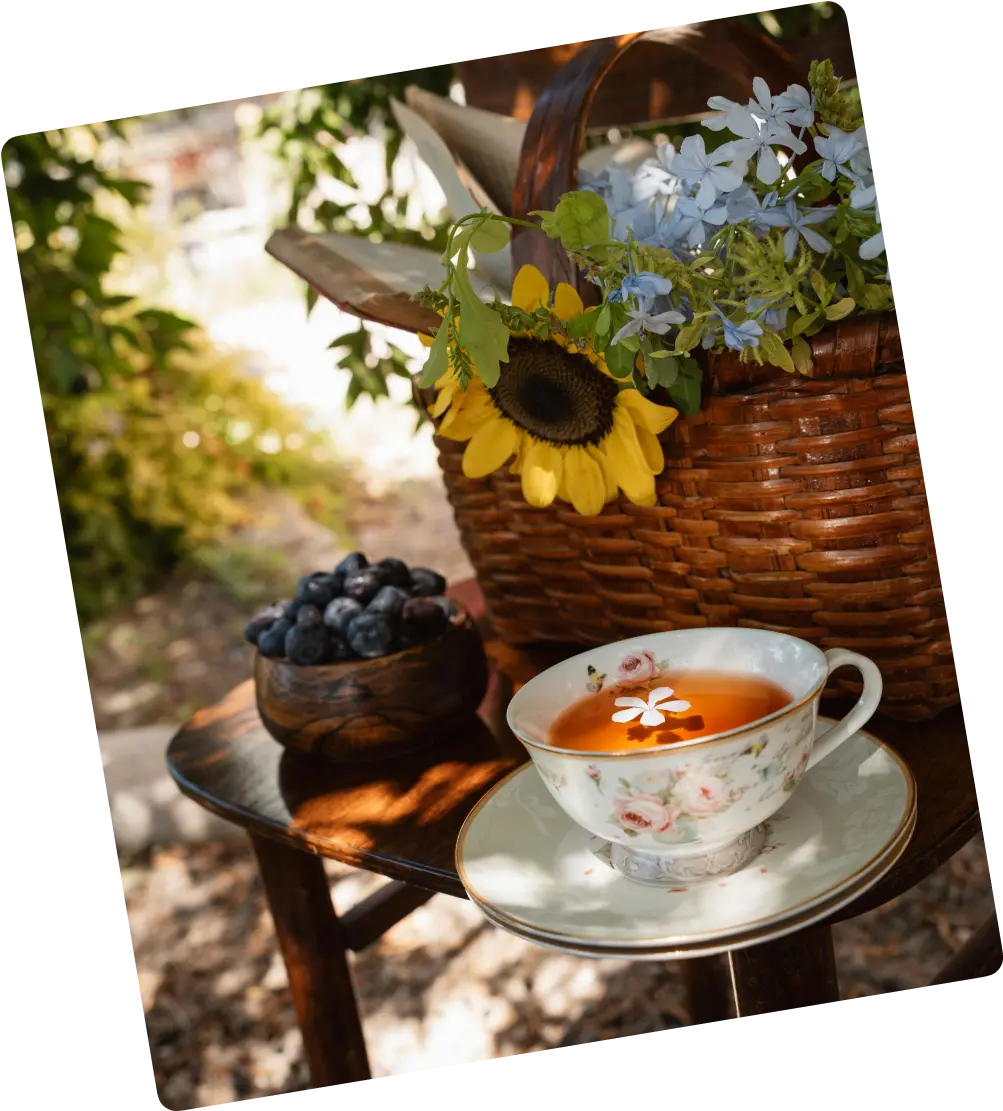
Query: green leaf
(581, 219)
(801, 354)
(661, 371)
(548, 222)
(685, 391)
(580, 326)
(491, 235)
(437, 362)
(620, 360)
(855, 280)
(602, 323)
(821, 287)
(840, 309)
(772, 347)
(689, 336)
(482, 332)
(804, 322)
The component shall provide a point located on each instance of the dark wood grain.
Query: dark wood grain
(372, 709)
(401, 818)
(369, 920)
(794, 971)
(655, 86)
(981, 955)
(709, 993)
(314, 950)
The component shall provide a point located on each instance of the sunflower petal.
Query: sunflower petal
(651, 449)
(645, 413)
(542, 471)
(585, 483)
(611, 486)
(489, 447)
(530, 289)
(567, 302)
(443, 400)
(626, 460)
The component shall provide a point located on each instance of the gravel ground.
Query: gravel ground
(442, 987)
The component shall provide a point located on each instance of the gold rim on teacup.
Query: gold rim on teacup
(676, 746)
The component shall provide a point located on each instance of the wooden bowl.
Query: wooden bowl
(364, 710)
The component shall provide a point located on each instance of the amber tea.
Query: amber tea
(673, 708)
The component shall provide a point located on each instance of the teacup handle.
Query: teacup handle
(861, 713)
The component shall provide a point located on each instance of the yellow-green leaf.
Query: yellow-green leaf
(491, 235)
(801, 353)
(819, 284)
(772, 347)
(437, 362)
(804, 322)
(689, 336)
(840, 309)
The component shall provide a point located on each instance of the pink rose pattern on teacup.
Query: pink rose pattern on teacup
(638, 667)
(702, 794)
(673, 802)
(645, 814)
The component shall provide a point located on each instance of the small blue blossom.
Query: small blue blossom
(737, 336)
(643, 320)
(798, 221)
(690, 220)
(743, 205)
(837, 150)
(774, 318)
(644, 286)
(694, 166)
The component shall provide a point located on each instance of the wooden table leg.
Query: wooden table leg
(708, 989)
(794, 971)
(314, 950)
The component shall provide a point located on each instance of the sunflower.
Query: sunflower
(557, 413)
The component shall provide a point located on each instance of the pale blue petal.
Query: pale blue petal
(873, 247)
(790, 243)
(768, 167)
(815, 241)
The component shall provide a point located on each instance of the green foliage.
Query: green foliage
(308, 133)
(156, 441)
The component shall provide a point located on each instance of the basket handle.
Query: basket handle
(548, 160)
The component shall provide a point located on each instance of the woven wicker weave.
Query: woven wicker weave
(789, 503)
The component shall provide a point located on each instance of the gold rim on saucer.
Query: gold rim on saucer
(906, 825)
(740, 940)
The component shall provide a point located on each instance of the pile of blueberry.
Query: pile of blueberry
(358, 611)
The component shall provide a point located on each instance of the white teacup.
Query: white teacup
(693, 810)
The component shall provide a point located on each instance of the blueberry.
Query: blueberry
(338, 648)
(291, 609)
(309, 614)
(447, 605)
(337, 583)
(423, 618)
(389, 600)
(363, 585)
(394, 571)
(371, 635)
(426, 583)
(316, 590)
(340, 612)
(351, 563)
(307, 645)
(261, 621)
(272, 642)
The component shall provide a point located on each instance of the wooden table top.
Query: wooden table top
(401, 818)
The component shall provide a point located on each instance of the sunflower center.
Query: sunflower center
(555, 394)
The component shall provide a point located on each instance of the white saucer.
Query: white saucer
(533, 871)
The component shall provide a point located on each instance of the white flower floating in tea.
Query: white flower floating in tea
(653, 710)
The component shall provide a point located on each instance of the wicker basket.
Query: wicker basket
(789, 503)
